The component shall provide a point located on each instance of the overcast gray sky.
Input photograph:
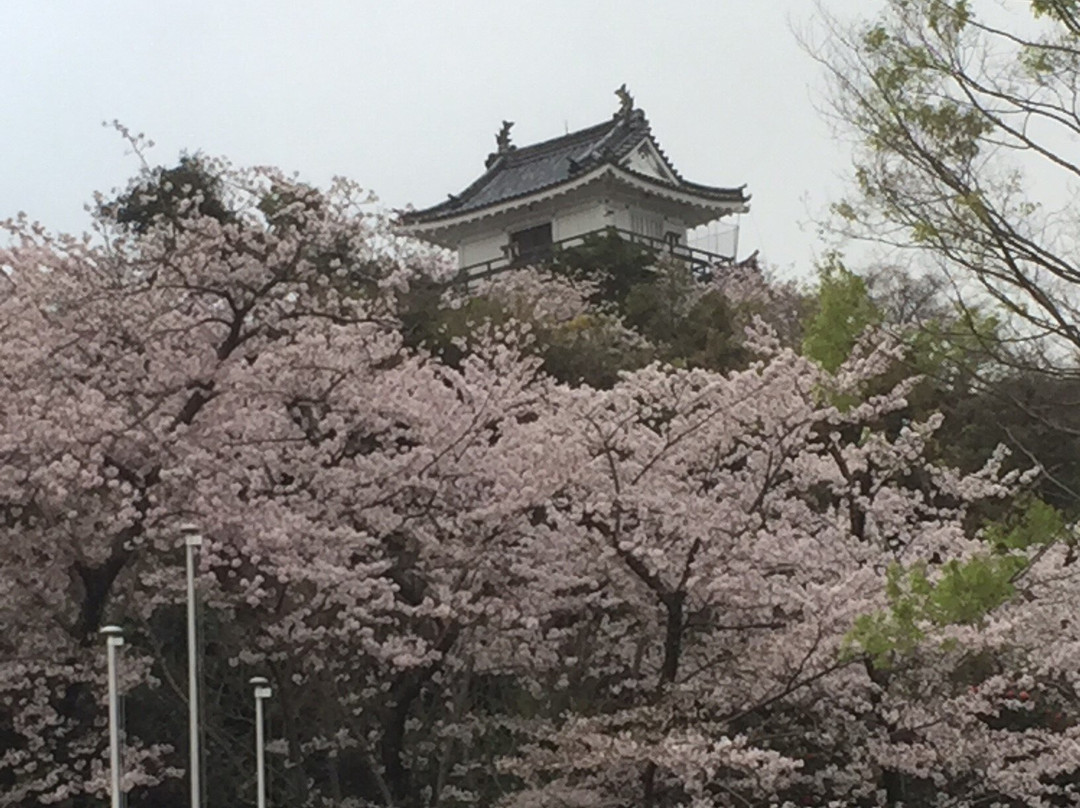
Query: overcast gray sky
(405, 97)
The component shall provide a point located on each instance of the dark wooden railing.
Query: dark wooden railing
(697, 259)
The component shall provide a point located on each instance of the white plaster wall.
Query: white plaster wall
(487, 238)
(581, 219)
(487, 241)
(488, 244)
(648, 163)
(624, 208)
(482, 247)
(621, 219)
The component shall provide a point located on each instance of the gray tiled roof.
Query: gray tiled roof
(523, 171)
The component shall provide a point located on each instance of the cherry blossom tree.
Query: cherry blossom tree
(731, 532)
(241, 372)
(470, 583)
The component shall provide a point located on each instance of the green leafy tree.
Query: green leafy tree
(633, 308)
(614, 264)
(964, 111)
(844, 311)
(989, 398)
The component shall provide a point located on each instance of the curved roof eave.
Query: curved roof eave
(721, 200)
(505, 206)
(690, 193)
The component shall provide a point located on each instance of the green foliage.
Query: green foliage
(613, 263)
(707, 336)
(844, 310)
(875, 38)
(1034, 523)
(958, 593)
(966, 592)
(283, 206)
(592, 349)
(953, 113)
(1063, 11)
(169, 196)
(642, 310)
(446, 331)
(946, 350)
(1025, 410)
(690, 328)
(948, 18)
(1039, 62)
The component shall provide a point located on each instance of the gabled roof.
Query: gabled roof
(515, 173)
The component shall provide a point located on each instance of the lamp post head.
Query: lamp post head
(260, 683)
(192, 535)
(114, 635)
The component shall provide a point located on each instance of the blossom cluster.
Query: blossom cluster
(468, 582)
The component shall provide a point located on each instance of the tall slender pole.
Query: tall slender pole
(192, 539)
(262, 691)
(113, 640)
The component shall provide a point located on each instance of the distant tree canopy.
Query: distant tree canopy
(610, 305)
(170, 194)
(844, 311)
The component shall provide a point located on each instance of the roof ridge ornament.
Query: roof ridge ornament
(588, 159)
(502, 139)
(502, 143)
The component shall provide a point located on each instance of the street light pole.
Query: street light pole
(113, 640)
(192, 539)
(262, 691)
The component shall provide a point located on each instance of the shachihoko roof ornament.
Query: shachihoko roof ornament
(502, 140)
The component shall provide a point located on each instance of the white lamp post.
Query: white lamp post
(192, 539)
(262, 691)
(113, 640)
